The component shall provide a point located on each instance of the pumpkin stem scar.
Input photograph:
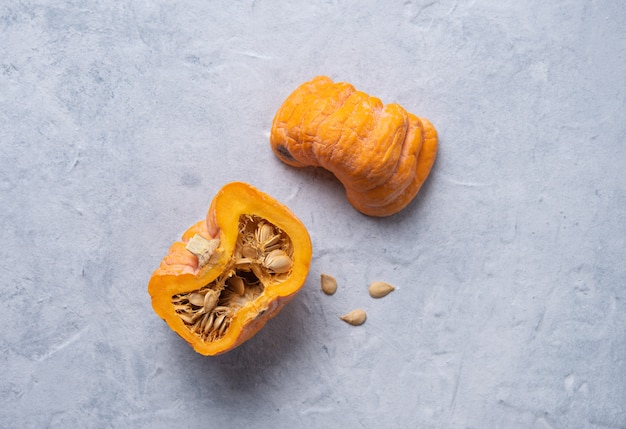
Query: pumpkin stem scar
(202, 248)
(285, 153)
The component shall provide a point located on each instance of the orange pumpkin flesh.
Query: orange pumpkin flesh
(380, 153)
(257, 258)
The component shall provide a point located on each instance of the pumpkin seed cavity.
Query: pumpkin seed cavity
(263, 256)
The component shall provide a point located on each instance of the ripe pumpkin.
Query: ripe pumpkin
(233, 271)
(380, 153)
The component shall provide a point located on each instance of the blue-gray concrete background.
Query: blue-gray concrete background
(120, 120)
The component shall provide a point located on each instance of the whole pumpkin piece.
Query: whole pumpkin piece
(380, 153)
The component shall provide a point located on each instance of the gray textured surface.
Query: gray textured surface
(119, 122)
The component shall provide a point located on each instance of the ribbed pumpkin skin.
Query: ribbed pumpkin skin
(380, 153)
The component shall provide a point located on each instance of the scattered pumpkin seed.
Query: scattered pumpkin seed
(329, 284)
(355, 317)
(380, 289)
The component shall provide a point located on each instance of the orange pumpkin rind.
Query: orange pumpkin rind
(380, 153)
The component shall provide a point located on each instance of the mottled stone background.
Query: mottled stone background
(120, 120)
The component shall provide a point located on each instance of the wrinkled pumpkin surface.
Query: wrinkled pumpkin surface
(233, 271)
(380, 153)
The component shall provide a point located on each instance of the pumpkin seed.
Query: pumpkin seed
(248, 252)
(197, 315)
(264, 233)
(217, 324)
(355, 317)
(187, 319)
(380, 289)
(278, 261)
(210, 300)
(225, 326)
(196, 299)
(271, 243)
(196, 326)
(329, 284)
(207, 321)
(236, 285)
